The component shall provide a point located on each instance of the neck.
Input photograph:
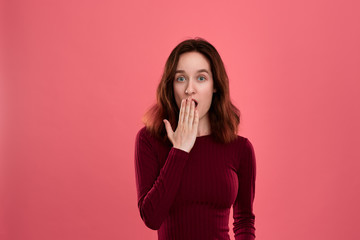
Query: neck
(204, 126)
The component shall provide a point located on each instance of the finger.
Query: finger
(191, 114)
(196, 119)
(168, 128)
(182, 110)
(187, 111)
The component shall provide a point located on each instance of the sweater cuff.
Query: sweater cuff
(178, 149)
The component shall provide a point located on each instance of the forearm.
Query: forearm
(154, 204)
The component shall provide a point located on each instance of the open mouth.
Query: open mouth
(195, 102)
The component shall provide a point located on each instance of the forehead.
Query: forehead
(193, 61)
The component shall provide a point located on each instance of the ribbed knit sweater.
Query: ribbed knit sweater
(189, 195)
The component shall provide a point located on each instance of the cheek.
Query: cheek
(177, 95)
(177, 98)
(178, 102)
(208, 101)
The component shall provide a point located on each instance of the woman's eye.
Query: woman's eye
(202, 78)
(180, 79)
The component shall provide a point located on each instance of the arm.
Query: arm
(156, 188)
(244, 217)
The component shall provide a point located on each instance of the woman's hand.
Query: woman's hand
(185, 134)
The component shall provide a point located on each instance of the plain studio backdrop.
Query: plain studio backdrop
(77, 76)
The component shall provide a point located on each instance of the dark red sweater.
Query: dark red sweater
(189, 195)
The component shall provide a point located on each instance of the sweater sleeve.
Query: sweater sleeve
(244, 217)
(156, 186)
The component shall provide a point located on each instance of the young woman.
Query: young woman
(190, 164)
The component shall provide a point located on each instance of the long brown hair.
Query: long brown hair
(223, 115)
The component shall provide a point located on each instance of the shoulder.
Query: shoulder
(243, 140)
(246, 155)
(143, 136)
(244, 145)
(144, 142)
(142, 132)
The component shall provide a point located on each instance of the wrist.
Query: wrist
(180, 148)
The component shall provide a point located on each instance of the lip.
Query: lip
(196, 102)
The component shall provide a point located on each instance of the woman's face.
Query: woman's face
(194, 78)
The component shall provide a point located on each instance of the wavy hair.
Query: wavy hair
(223, 115)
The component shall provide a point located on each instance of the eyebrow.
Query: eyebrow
(200, 70)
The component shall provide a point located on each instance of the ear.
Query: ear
(214, 90)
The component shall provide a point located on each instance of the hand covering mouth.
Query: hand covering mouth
(196, 103)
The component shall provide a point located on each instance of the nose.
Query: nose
(190, 88)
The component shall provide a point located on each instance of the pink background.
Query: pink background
(76, 77)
